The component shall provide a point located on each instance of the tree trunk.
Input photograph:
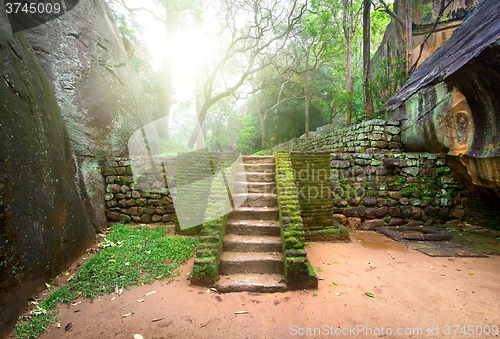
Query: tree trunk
(347, 21)
(348, 80)
(369, 110)
(306, 97)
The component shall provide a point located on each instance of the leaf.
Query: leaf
(371, 295)
(241, 312)
(334, 284)
(150, 293)
(138, 336)
(471, 273)
(127, 315)
(140, 300)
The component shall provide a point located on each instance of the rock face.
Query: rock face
(386, 62)
(43, 222)
(100, 95)
(451, 103)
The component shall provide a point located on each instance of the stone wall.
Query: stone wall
(375, 190)
(311, 174)
(370, 136)
(131, 201)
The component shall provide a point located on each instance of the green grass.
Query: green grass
(129, 256)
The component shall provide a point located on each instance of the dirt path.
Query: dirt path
(412, 291)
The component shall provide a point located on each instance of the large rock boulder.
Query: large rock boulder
(44, 226)
(101, 97)
(451, 103)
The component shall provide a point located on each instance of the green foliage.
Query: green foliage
(132, 256)
(37, 325)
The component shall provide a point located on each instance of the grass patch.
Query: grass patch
(128, 256)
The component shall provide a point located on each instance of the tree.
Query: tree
(266, 85)
(251, 33)
(173, 10)
(369, 110)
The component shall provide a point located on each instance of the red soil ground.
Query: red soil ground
(421, 295)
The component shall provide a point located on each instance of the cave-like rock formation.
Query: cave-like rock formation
(43, 223)
(451, 103)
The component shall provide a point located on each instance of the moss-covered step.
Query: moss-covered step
(264, 283)
(253, 227)
(251, 262)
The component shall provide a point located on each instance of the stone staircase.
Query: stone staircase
(252, 258)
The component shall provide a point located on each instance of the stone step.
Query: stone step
(255, 200)
(255, 213)
(251, 262)
(258, 159)
(258, 168)
(254, 177)
(253, 227)
(254, 187)
(264, 283)
(251, 243)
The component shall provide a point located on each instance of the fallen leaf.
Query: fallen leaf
(138, 336)
(471, 273)
(241, 312)
(337, 294)
(112, 299)
(334, 284)
(127, 315)
(157, 319)
(140, 300)
(59, 325)
(77, 303)
(150, 293)
(68, 327)
(371, 295)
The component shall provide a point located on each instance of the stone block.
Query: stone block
(431, 211)
(371, 224)
(130, 202)
(458, 213)
(396, 222)
(156, 218)
(444, 213)
(370, 201)
(371, 213)
(351, 212)
(146, 218)
(150, 210)
(382, 212)
(394, 211)
(354, 223)
(406, 211)
(113, 216)
(341, 218)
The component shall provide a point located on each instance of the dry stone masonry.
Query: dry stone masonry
(130, 201)
(370, 190)
(371, 136)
